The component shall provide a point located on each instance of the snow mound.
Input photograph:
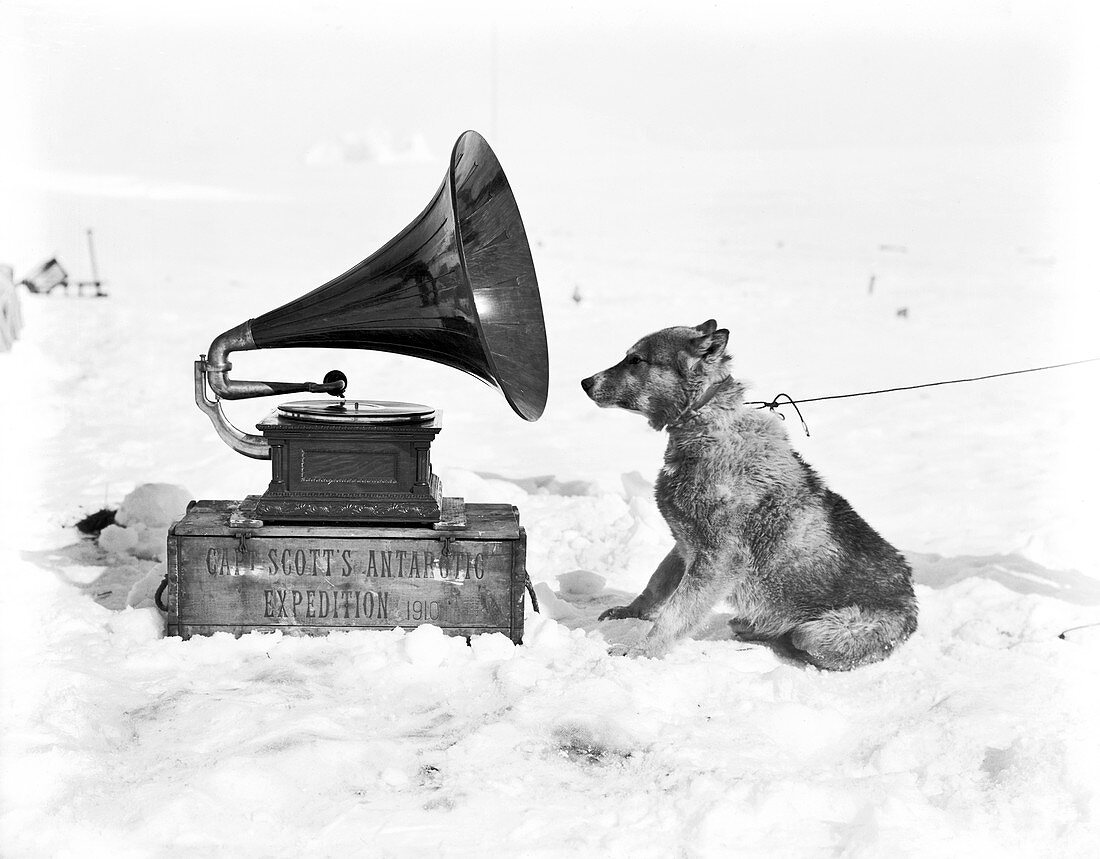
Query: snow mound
(546, 484)
(154, 505)
(492, 647)
(1015, 572)
(137, 625)
(138, 541)
(118, 540)
(581, 583)
(428, 647)
(142, 521)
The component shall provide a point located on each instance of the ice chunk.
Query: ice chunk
(136, 540)
(143, 592)
(581, 583)
(550, 605)
(152, 543)
(155, 505)
(82, 574)
(143, 519)
(118, 540)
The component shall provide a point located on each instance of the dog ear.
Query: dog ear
(716, 345)
(711, 338)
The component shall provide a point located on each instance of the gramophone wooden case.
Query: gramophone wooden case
(313, 579)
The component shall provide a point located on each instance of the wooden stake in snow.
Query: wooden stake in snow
(95, 281)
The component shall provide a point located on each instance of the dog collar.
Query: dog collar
(704, 398)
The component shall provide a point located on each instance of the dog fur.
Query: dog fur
(753, 523)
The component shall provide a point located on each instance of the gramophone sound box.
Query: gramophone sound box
(353, 530)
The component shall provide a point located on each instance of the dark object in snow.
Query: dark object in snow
(310, 579)
(431, 777)
(11, 313)
(902, 312)
(93, 523)
(1062, 635)
(530, 588)
(158, 597)
(48, 275)
(586, 742)
(95, 281)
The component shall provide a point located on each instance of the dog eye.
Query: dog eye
(633, 359)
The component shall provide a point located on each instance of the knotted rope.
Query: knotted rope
(775, 403)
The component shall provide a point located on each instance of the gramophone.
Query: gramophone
(353, 502)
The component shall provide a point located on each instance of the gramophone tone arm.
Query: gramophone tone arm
(254, 446)
(240, 339)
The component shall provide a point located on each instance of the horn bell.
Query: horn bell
(457, 286)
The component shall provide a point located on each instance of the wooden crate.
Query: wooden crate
(46, 276)
(312, 579)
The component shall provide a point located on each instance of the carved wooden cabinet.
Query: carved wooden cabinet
(347, 472)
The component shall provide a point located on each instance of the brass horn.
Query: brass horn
(457, 286)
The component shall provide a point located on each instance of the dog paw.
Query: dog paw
(618, 612)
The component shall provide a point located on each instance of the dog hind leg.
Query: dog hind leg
(742, 630)
(661, 585)
(845, 638)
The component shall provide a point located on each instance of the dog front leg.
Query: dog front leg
(703, 584)
(661, 585)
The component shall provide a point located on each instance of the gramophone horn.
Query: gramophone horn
(457, 286)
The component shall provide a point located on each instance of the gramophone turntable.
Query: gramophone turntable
(353, 529)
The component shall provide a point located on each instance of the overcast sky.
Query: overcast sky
(191, 89)
(218, 100)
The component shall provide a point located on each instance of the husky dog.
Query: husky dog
(753, 523)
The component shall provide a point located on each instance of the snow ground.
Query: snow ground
(970, 741)
(976, 738)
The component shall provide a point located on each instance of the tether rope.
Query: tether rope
(774, 403)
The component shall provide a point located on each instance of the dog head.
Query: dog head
(662, 373)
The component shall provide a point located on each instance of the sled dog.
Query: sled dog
(753, 523)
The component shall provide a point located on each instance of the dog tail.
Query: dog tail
(846, 638)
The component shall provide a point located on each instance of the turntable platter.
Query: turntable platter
(358, 411)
